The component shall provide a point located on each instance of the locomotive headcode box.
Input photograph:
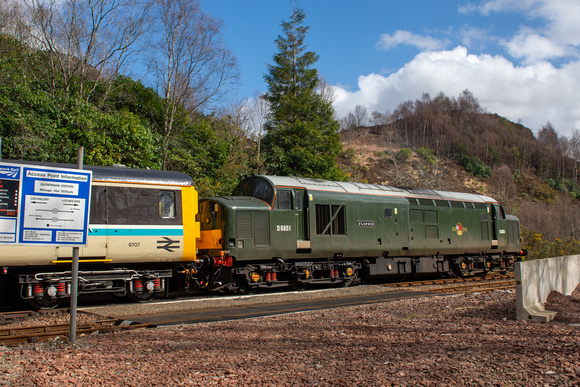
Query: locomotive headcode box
(44, 206)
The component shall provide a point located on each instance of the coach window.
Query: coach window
(388, 212)
(167, 204)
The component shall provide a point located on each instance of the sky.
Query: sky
(519, 58)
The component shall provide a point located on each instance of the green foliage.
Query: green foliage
(542, 191)
(538, 247)
(427, 155)
(404, 154)
(301, 133)
(213, 154)
(122, 123)
(108, 138)
(474, 165)
(350, 153)
(565, 185)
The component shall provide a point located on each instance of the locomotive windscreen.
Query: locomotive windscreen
(255, 187)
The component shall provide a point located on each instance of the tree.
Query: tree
(86, 40)
(301, 132)
(574, 151)
(189, 61)
(252, 115)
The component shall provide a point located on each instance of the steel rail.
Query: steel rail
(19, 335)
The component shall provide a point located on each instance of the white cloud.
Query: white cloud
(531, 47)
(559, 37)
(535, 93)
(388, 41)
(487, 7)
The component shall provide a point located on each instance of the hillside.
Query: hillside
(378, 155)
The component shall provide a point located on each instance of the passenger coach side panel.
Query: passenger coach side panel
(140, 222)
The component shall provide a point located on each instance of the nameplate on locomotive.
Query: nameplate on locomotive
(366, 223)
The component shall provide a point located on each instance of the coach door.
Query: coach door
(302, 232)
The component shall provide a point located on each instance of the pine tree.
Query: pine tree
(301, 132)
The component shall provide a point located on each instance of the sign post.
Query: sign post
(72, 337)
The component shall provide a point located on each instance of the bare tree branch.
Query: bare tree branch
(189, 61)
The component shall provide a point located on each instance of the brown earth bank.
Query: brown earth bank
(470, 339)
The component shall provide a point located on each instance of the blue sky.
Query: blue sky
(520, 58)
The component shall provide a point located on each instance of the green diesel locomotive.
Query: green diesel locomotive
(280, 231)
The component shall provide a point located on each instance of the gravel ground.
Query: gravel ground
(471, 339)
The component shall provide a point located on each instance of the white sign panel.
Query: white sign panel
(41, 205)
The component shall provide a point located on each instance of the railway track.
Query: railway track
(465, 284)
(12, 335)
(15, 335)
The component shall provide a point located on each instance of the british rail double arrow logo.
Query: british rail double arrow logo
(167, 244)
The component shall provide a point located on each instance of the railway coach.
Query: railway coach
(298, 231)
(141, 239)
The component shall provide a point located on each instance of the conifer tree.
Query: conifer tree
(301, 132)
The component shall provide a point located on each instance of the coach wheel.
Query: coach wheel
(141, 296)
(120, 296)
(44, 303)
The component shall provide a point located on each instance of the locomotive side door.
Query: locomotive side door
(499, 225)
(302, 231)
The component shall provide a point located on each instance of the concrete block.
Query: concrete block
(536, 279)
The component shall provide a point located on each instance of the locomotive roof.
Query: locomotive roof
(121, 173)
(371, 189)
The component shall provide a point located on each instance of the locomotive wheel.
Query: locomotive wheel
(298, 286)
(247, 289)
(43, 303)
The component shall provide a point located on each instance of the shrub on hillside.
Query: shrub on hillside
(474, 165)
(404, 154)
(428, 155)
(538, 247)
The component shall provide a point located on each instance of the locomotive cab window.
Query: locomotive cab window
(256, 187)
(284, 200)
(167, 204)
(499, 213)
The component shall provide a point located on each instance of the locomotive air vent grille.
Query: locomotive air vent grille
(262, 236)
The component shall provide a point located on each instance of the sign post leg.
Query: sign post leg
(75, 274)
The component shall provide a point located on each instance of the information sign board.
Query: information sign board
(44, 206)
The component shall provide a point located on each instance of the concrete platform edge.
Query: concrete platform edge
(536, 279)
